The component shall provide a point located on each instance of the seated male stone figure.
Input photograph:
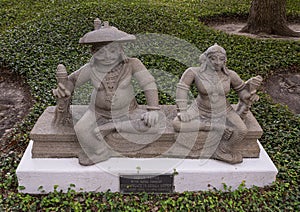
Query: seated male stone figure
(112, 101)
(211, 111)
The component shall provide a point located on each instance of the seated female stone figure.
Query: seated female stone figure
(210, 110)
(112, 100)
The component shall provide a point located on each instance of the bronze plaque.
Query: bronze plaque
(150, 183)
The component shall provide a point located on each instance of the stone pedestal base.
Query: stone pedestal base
(51, 142)
(40, 175)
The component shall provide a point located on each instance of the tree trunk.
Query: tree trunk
(268, 16)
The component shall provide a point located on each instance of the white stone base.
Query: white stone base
(193, 174)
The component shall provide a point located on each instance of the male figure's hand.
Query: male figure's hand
(150, 118)
(61, 91)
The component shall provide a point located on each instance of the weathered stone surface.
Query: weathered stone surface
(53, 142)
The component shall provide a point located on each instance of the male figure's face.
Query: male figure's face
(217, 61)
(109, 54)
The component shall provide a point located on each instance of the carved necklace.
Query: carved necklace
(111, 81)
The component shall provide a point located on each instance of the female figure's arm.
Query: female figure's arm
(239, 86)
(183, 87)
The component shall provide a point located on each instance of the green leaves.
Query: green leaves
(38, 35)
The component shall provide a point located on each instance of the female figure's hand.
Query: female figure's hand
(184, 116)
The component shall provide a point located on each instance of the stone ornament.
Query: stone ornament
(114, 125)
(62, 115)
(251, 85)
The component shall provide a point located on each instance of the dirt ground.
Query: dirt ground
(284, 86)
(16, 101)
(233, 27)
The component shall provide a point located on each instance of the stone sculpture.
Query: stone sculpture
(209, 127)
(210, 110)
(112, 101)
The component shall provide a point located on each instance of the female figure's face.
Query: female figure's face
(217, 61)
(109, 54)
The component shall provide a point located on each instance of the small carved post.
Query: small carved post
(97, 24)
(251, 85)
(62, 115)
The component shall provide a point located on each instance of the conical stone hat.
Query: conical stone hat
(104, 34)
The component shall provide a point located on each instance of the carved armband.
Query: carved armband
(151, 108)
(152, 99)
(183, 86)
(240, 87)
(181, 104)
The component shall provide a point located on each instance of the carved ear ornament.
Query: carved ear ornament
(202, 58)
